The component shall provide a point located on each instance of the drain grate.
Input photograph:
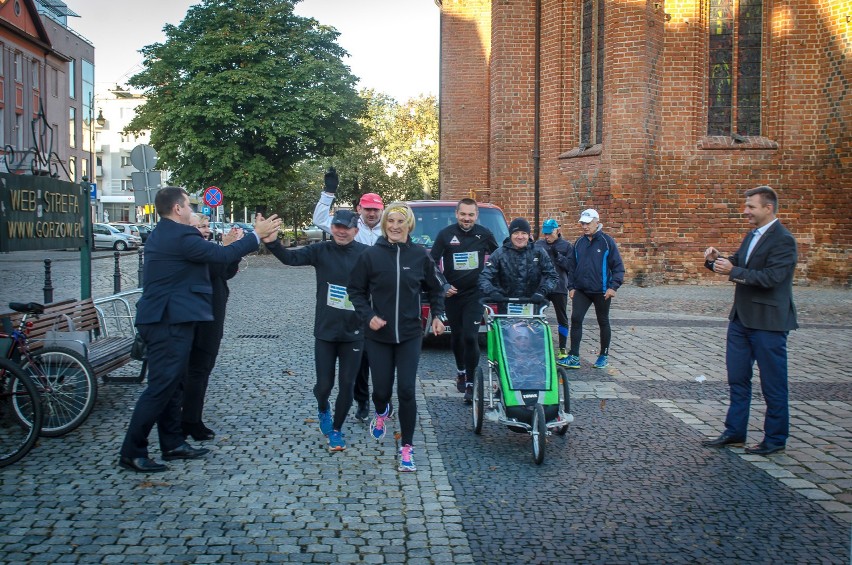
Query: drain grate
(258, 336)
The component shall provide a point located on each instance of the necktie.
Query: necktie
(755, 235)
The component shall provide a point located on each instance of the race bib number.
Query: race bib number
(338, 298)
(466, 261)
(515, 309)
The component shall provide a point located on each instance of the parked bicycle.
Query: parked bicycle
(20, 413)
(64, 379)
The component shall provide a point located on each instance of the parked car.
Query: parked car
(218, 229)
(144, 231)
(313, 233)
(248, 228)
(434, 215)
(107, 237)
(130, 230)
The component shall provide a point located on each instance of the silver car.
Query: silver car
(107, 237)
(131, 231)
(313, 233)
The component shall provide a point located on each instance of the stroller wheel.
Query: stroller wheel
(539, 434)
(478, 401)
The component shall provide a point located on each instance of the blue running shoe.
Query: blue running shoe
(336, 441)
(602, 362)
(325, 422)
(571, 362)
(406, 459)
(377, 426)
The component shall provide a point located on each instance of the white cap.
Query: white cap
(589, 215)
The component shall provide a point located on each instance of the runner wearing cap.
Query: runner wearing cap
(559, 251)
(338, 332)
(596, 272)
(369, 210)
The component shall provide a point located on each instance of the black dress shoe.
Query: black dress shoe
(763, 448)
(198, 432)
(141, 465)
(363, 412)
(185, 451)
(723, 440)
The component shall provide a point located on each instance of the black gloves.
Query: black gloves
(538, 298)
(330, 181)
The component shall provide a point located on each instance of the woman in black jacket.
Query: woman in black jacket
(385, 289)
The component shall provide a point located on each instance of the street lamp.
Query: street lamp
(100, 119)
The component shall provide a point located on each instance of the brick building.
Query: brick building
(659, 115)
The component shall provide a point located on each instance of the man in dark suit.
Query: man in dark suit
(177, 293)
(762, 316)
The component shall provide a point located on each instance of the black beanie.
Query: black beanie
(519, 224)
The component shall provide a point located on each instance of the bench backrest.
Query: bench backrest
(82, 313)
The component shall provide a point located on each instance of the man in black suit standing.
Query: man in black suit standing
(762, 316)
(176, 294)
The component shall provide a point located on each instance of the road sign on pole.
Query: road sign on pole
(213, 197)
(205, 210)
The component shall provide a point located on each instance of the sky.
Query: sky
(393, 45)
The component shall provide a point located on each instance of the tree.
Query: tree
(240, 92)
(397, 158)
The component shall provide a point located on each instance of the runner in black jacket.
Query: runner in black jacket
(559, 252)
(338, 331)
(385, 288)
(460, 249)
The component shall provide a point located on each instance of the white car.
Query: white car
(107, 237)
(313, 233)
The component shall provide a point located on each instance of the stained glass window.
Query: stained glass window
(591, 72)
(734, 67)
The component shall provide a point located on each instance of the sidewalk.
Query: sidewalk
(629, 483)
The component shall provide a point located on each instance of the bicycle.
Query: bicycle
(65, 381)
(21, 413)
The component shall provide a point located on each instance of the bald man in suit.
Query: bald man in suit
(762, 316)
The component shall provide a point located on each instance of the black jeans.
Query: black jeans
(326, 354)
(560, 305)
(464, 315)
(579, 306)
(396, 360)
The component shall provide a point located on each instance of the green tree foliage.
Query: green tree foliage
(240, 92)
(397, 159)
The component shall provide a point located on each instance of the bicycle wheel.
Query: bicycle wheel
(17, 436)
(67, 385)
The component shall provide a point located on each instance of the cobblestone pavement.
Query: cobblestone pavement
(629, 483)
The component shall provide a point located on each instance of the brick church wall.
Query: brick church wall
(665, 190)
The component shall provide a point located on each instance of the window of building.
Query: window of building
(55, 86)
(126, 184)
(36, 73)
(88, 101)
(72, 126)
(72, 79)
(19, 131)
(72, 168)
(591, 72)
(19, 67)
(2, 56)
(125, 160)
(734, 73)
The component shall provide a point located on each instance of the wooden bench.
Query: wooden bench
(109, 321)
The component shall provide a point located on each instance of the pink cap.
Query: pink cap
(372, 200)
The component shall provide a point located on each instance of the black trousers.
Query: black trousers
(389, 361)
(464, 315)
(202, 359)
(160, 403)
(326, 355)
(560, 306)
(362, 381)
(579, 306)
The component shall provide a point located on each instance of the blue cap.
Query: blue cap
(549, 226)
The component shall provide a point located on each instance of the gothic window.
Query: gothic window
(736, 35)
(591, 72)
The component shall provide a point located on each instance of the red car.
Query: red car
(434, 215)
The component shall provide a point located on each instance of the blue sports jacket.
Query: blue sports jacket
(595, 265)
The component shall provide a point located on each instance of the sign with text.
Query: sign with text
(40, 213)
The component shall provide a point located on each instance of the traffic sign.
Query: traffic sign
(205, 210)
(143, 157)
(213, 196)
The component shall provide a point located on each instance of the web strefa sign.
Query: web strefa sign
(38, 213)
